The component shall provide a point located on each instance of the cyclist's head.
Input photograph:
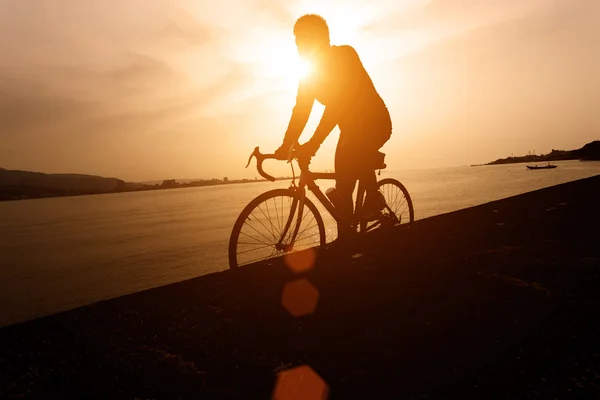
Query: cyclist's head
(312, 34)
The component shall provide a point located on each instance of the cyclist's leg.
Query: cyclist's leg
(368, 178)
(371, 158)
(345, 182)
(374, 201)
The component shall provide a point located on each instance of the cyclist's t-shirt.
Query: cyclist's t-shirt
(344, 87)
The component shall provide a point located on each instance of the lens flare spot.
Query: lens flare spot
(300, 383)
(300, 297)
(301, 261)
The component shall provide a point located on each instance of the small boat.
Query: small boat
(549, 166)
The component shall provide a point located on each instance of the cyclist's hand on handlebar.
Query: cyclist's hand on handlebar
(307, 150)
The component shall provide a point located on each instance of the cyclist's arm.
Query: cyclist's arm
(326, 125)
(300, 114)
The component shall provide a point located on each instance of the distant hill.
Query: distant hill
(15, 184)
(590, 151)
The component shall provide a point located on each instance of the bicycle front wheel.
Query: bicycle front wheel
(275, 223)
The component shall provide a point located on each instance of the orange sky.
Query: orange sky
(148, 89)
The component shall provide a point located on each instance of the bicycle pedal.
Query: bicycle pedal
(389, 220)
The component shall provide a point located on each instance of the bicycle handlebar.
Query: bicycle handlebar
(259, 160)
(260, 157)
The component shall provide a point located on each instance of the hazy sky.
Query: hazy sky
(149, 89)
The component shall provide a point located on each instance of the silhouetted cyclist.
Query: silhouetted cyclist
(339, 81)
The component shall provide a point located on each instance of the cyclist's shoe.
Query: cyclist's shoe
(372, 207)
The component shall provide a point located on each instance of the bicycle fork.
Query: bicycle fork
(289, 246)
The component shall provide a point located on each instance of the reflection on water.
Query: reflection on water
(60, 253)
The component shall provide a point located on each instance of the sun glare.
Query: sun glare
(286, 67)
(303, 69)
(273, 56)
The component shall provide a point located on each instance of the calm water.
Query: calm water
(60, 253)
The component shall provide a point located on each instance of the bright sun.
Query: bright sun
(277, 59)
(303, 68)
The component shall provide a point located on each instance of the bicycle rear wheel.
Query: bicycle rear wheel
(275, 223)
(399, 204)
(399, 207)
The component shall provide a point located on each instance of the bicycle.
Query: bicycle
(272, 223)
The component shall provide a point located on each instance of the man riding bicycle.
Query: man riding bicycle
(340, 82)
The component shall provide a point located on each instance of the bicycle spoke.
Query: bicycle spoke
(304, 219)
(254, 249)
(292, 228)
(256, 241)
(269, 216)
(402, 200)
(401, 211)
(304, 230)
(270, 222)
(253, 238)
(282, 223)
(290, 233)
(308, 237)
(257, 231)
(273, 253)
(404, 208)
(277, 212)
(396, 197)
(257, 218)
(272, 230)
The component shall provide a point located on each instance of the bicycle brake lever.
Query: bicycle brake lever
(259, 160)
(291, 153)
(254, 154)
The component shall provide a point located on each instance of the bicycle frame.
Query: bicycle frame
(308, 179)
